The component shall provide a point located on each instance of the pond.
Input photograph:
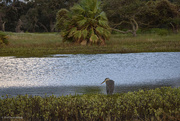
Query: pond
(65, 74)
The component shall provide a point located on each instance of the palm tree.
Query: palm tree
(85, 22)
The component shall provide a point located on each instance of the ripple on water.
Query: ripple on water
(90, 70)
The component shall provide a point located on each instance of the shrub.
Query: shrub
(158, 31)
(3, 39)
(163, 32)
(158, 104)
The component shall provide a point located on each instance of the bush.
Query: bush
(3, 39)
(158, 31)
(158, 104)
(163, 32)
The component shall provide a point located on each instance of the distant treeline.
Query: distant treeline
(123, 15)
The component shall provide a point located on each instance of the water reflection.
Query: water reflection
(71, 74)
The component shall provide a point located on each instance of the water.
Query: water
(79, 74)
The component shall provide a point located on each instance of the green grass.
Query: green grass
(43, 44)
(161, 104)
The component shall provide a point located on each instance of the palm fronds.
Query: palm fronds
(84, 22)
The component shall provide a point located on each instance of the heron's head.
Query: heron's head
(107, 79)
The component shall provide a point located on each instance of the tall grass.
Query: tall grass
(33, 39)
(42, 44)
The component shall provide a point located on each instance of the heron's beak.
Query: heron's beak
(103, 81)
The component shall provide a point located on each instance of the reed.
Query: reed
(42, 44)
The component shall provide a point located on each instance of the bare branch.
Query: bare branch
(43, 26)
(136, 24)
(118, 24)
(124, 32)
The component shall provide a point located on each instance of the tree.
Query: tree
(2, 17)
(169, 14)
(6, 2)
(85, 22)
(19, 25)
(41, 14)
(150, 15)
(10, 13)
(123, 14)
(161, 14)
(30, 20)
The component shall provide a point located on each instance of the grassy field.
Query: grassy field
(44, 44)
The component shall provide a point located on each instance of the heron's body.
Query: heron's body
(109, 86)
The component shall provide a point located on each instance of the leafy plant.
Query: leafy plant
(159, 104)
(3, 39)
(85, 22)
(163, 32)
(158, 31)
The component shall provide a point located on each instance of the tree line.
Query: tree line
(30, 16)
(125, 16)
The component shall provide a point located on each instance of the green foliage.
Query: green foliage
(3, 39)
(161, 14)
(163, 32)
(40, 15)
(84, 22)
(158, 104)
(158, 31)
(35, 15)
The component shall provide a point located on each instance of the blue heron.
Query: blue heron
(109, 86)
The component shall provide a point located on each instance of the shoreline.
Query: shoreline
(41, 45)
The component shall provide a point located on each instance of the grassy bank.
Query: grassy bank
(161, 104)
(34, 44)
